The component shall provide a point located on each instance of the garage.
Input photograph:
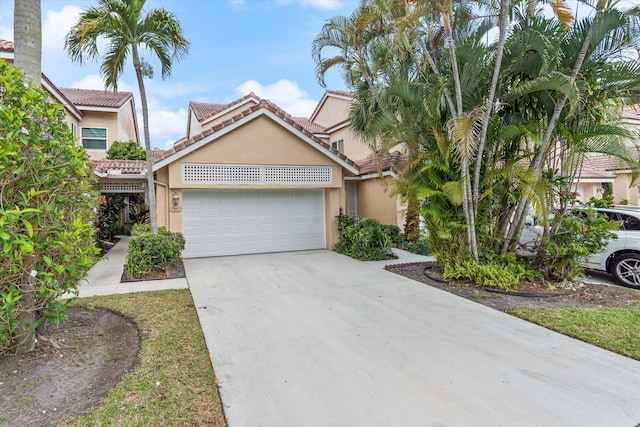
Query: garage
(235, 222)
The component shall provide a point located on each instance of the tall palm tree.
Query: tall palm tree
(27, 29)
(128, 30)
(28, 57)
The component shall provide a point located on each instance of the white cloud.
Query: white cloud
(56, 25)
(165, 126)
(94, 81)
(322, 4)
(319, 4)
(285, 93)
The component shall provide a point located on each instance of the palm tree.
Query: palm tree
(28, 39)
(128, 30)
(28, 57)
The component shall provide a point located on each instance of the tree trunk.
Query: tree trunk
(27, 332)
(151, 189)
(27, 56)
(27, 29)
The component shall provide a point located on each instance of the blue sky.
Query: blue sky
(237, 46)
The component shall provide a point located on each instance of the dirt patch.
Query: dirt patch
(528, 294)
(72, 367)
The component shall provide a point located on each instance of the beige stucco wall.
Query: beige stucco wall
(375, 201)
(193, 125)
(120, 127)
(261, 141)
(625, 189)
(332, 112)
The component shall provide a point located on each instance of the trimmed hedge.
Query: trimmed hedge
(150, 252)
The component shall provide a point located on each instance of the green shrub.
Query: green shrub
(420, 247)
(150, 252)
(126, 150)
(503, 272)
(46, 230)
(363, 239)
(394, 233)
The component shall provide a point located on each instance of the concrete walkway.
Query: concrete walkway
(104, 277)
(319, 339)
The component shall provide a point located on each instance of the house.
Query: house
(602, 173)
(96, 118)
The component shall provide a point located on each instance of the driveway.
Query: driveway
(318, 339)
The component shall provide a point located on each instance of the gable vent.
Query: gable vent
(122, 187)
(255, 174)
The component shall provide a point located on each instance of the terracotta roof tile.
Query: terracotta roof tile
(221, 107)
(340, 93)
(391, 162)
(603, 162)
(96, 98)
(594, 173)
(6, 45)
(631, 112)
(203, 109)
(126, 167)
(263, 104)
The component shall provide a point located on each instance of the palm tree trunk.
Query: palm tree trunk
(151, 189)
(538, 160)
(504, 18)
(466, 178)
(27, 25)
(28, 39)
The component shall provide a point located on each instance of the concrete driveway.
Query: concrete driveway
(318, 339)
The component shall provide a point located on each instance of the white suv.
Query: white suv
(621, 257)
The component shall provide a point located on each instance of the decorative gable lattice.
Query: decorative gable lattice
(255, 174)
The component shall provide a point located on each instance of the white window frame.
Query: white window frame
(338, 145)
(106, 137)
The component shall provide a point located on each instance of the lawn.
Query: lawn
(173, 383)
(613, 328)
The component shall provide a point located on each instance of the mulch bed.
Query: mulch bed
(176, 272)
(528, 294)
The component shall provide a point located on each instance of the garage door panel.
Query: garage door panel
(219, 223)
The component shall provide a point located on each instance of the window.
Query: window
(94, 138)
(338, 145)
(352, 198)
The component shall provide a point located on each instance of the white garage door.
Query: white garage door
(216, 223)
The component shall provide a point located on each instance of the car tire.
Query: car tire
(626, 269)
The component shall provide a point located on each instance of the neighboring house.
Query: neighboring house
(96, 118)
(106, 117)
(600, 170)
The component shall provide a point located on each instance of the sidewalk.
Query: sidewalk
(104, 277)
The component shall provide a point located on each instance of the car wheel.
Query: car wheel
(626, 269)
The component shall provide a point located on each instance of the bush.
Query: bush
(126, 150)
(149, 253)
(45, 217)
(363, 239)
(502, 272)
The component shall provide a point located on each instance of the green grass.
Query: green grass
(173, 383)
(613, 328)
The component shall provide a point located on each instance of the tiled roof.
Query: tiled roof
(97, 98)
(222, 107)
(6, 46)
(603, 162)
(391, 162)
(309, 125)
(592, 173)
(70, 105)
(263, 104)
(340, 93)
(126, 167)
(202, 109)
(631, 112)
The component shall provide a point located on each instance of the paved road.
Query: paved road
(318, 339)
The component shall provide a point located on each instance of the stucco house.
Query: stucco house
(96, 118)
